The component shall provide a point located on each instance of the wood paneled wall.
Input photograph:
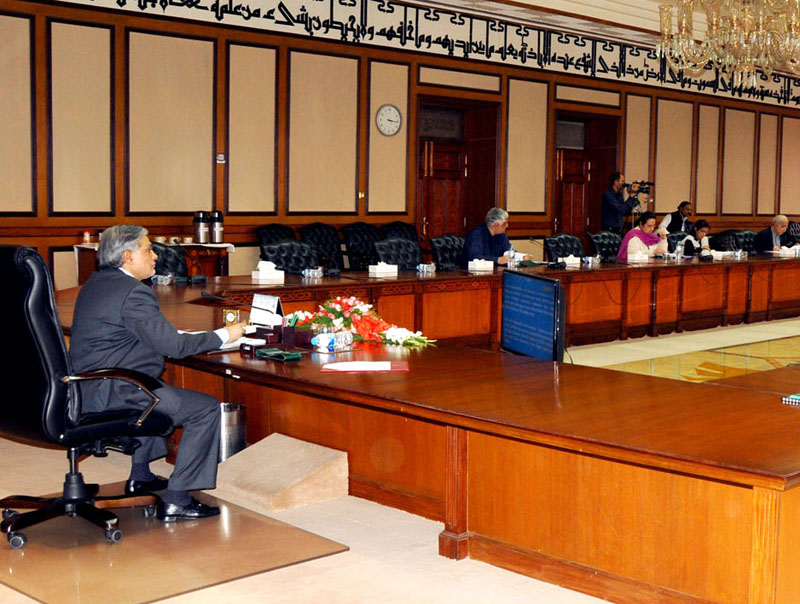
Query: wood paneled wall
(116, 117)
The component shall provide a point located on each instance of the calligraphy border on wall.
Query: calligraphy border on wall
(396, 24)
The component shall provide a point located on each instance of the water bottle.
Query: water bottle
(511, 257)
(342, 340)
(679, 250)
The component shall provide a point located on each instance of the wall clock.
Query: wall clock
(388, 119)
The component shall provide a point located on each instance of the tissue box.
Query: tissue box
(570, 260)
(382, 270)
(268, 276)
(638, 258)
(480, 265)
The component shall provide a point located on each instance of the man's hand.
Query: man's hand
(634, 188)
(235, 331)
(502, 260)
(776, 248)
(661, 233)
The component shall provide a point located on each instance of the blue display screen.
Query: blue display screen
(533, 316)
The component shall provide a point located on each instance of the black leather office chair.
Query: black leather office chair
(171, 259)
(447, 251)
(606, 245)
(359, 241)
(274, 233)
(291, 256)
(724, 241)
(42, 404)
(402, 252)
(561, 246)
(399, 230)
(745, 240)
(325, 238)
(673, 239)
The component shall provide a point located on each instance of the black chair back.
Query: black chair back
(673, 239)
(562, 245)
(171, 259)
(724, 241)
(606, 244)
(745, 241)
(399, 230)
(325, 238)
(447, 251)
(402, 252)
(359, 241)
(38, 405)
(274, 233)
(291, 256)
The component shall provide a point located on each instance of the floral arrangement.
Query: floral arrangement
(360, 319)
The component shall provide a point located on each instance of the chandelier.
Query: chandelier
(742, 36)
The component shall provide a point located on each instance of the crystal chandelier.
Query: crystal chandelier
(742, 36)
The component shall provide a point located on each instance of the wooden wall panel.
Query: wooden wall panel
(587, 95)
(251, 129)
(81, 111)
(323, 133)
(790, 160)
(707, 160)
(65, 274)
(767, 164)
(673, 174)
(737, 166)
(637, 139)
(459, 79)
(170, 124)
(526, 179)
(16, 122)
(243, 260)
(388, 157)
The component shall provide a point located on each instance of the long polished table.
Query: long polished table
(628, 487)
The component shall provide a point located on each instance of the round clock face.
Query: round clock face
(230, 317)
(388, 120)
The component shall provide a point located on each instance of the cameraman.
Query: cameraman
(615, 206)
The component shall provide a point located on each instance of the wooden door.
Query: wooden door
(572, 186)
(440, 177)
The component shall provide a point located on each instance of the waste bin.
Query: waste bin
(233, 430)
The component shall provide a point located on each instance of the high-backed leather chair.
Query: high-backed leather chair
(274, 233)
(562, 245)
(291, 256)
(447, 251)
(41, 403)
(745, 240)
(399, 230)
(606, 245)
(359, 241)
(724, 241)
(402, 252)
(171, 260)
(673, 239)
(325, 238)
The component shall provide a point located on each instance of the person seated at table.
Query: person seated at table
(697, 239)
(678, 221)
(489, 240)
(643, 238)
(775, 237)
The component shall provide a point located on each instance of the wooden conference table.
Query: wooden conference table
(632, 488)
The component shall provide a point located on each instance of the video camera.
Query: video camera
(644, 186)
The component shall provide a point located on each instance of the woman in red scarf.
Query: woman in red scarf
(642, 239)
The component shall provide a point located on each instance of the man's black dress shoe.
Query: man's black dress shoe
(137, 487)
(194, 510)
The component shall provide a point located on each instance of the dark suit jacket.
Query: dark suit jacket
(763, 240)
(118, 323)
(481, 244)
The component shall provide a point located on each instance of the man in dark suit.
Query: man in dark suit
(118, 323)
(775, 237)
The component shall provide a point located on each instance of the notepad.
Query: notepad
(792, 399)
(361, 366)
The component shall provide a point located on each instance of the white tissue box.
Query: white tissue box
(571, 260)
(480, 265)
(717, 255)
(267, 276)
(788, 252)
(638, 258)
(382, 270)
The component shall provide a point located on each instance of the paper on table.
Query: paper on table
(243, 340)
(358, 366)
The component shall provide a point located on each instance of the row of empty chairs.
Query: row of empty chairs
(606, 244)
(365, 244)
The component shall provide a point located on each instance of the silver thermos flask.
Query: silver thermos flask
(200, 227)
(217, 227)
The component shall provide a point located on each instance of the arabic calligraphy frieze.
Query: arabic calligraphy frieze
(396, 24)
